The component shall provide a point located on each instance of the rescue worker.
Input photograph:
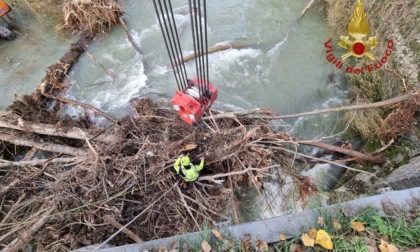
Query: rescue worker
(188, 171)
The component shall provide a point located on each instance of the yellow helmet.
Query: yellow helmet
(185, 161)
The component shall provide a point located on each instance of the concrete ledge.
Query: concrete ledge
(269, 230)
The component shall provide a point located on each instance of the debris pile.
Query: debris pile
(92, 15)
(128, 171)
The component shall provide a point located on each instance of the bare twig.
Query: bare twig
(135, 218)
(99, 64)
(224, 175)
(12, 209)
(187, 207)
(84, 105)
(90, 146)
(5, 189)
(116, 224)
(24, 236)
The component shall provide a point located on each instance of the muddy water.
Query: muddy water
(287, 74)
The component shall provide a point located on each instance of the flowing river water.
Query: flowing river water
(288, 74)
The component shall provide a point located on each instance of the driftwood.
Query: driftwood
(52, 82)
(134, 44)
(130, 38)
(84, 105)
(116, 224)
(134, 176)
(243, 44)
(216, 48)
(26, 235)
(99, 64)
(338, 149)
(52, 147)
(317, 112)
(295, 23)
(60, 161)
(50, 129)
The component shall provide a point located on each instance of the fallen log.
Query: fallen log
(50, 129)
(130, 38)
(134, 44)
(61, 161)
(52, 82)
(338, 149)
(57, 148)
(239, 45)
(216, 48)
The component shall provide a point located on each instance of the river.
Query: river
(289, 74)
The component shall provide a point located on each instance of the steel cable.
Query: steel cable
(171, 41)
(179, 57)
(193, 7)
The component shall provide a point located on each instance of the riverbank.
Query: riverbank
(394, 130)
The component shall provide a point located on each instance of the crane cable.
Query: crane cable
(169, 30)
(200, 46)
(170, 36)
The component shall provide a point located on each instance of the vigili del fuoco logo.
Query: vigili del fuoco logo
(358, 45)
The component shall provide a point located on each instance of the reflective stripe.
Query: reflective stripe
(188, 174)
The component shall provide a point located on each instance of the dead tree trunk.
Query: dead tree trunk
(349, 152)
(50, 129)
(57, 148)
(216, 48)
(53, 80)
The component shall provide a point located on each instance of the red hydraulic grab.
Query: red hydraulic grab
(187, 102)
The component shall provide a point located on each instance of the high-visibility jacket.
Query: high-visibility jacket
(190, 172)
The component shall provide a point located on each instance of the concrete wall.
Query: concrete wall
(406, 176)
(269, 230)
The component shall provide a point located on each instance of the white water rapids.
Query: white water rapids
(290, 77)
